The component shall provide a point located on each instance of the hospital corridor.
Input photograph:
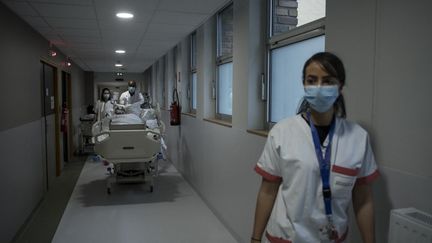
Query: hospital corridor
(215, 121)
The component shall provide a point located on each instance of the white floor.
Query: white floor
(172, 213)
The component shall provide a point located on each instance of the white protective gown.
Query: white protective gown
(127, 99)
(289, 157)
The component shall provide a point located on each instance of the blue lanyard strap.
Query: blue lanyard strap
(324, 162)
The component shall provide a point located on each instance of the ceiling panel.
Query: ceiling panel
(79, 33)
(72, 23)
(74, 2)
(106, 9)
(164, 36)
(89, 52)
(166, 17)
(88, 46)
(21, 8)
(83, 40)
(161, 45)
(36, 22)
(170, 28)
(65, 11)
(88, 30)
(191, 6)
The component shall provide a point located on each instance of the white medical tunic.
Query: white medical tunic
(104, 109)
(289, 157)
(127, 99)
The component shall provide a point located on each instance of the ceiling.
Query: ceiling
(89, 32)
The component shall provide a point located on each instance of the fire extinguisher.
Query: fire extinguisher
(175, 109)
(64, 119)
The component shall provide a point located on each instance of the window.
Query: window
(193, 83)
(296, 33)
(224, 69)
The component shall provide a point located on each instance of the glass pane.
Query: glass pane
(194, 90)
(289, 14)
(193, 51)
(225, 32)
(286, 76)
(225, 74)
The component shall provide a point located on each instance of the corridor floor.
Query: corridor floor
(172, 213)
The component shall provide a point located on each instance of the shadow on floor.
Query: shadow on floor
(165, 190)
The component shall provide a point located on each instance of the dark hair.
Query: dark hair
(132, 83)
(333, 66)
(102, 94)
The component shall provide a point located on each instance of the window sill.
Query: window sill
(262, 133)
(189, 114)
(219, 122)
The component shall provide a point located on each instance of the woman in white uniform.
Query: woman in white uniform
(314, 165)
(104, 106)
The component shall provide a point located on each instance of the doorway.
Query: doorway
(66, 115)
(48, 75)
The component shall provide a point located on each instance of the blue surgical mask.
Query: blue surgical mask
(131, 89)
(321, 98)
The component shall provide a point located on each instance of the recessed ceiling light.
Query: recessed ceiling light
(118, 65)
(124, 15)
(120, 51)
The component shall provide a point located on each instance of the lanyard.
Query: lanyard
(324, 163)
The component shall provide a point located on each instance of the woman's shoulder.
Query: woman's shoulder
(352, 127)
(286, 124)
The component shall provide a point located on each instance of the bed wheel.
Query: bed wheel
(109, 191)
(151, 188)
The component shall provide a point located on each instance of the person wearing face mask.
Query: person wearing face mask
(131, 96)
(104, 106)
(314, 165)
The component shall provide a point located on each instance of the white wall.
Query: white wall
(387, 92)
(23, 174)
(216, 160)
(22, 177)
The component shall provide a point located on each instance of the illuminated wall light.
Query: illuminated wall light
(68, 63)
(124, 15)
(120, 51)
(51, 51)
(118, 65)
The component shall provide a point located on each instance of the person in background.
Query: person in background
(314, 165)
(131, 96)
(104, 106)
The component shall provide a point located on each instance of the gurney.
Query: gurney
(131, 146)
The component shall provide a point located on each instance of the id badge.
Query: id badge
(328, 233)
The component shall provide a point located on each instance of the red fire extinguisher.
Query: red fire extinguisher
(175, 109)
(64, 119)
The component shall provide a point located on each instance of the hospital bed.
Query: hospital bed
(131, 146)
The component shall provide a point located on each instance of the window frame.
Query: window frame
(221, 60)
(304, 32)
(193, 70)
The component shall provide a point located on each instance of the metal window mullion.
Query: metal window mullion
(224, 59)
(304, 32)
(268, 63)
(298, 38)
